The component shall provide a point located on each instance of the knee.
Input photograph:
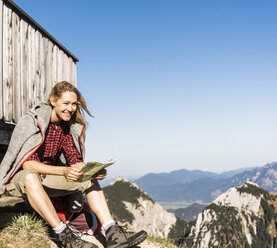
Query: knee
(93, 185)
(31, 180)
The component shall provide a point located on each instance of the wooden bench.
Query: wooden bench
(9, 201)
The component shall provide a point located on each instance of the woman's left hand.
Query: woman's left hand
(100, 175)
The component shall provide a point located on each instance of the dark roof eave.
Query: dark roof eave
(24, 15)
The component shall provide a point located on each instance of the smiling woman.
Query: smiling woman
(67, 102)
(46, 154)
(64, 107)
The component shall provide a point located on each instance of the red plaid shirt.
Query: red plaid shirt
(57, 139)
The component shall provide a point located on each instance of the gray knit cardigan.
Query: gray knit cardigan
(28, 135)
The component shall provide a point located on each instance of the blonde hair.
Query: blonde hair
(64, 86)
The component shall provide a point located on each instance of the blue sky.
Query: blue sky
(172, 84)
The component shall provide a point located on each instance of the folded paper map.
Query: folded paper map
(91, 168)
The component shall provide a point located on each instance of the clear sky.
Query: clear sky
(172, 84)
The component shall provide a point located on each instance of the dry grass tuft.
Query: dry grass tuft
(162, 242)
(25, 231)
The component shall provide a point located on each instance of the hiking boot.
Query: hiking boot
(68, 239)
(116, 236)
(136, 238)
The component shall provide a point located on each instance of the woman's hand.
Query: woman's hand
(78, 165)
(100, 175)
(71, 174)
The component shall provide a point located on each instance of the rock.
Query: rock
(131, 206)
(10, 201)
(243, 216)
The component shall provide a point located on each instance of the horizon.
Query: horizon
(108, 180)
(177, 84)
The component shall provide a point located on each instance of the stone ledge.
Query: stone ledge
(10, 201)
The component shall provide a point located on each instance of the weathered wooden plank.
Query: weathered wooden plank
(1, 59)
(73, 72)
(70, 61)
(37, 80)
(60, 66)
(24, 37)
(32, 67)
(66, 68)
(17, 112)
(49, 71)
(7, 63)
(55, 64)
(47, 67)
(74, 76)
(42, 82)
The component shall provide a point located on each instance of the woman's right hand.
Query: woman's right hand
(71, 174)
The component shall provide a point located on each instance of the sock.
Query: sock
(106, 225)
(59, 229)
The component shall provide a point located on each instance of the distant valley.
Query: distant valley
(189, 213)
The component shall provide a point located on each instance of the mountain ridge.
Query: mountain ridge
(244, 216)
(130, 205)
(206, 189)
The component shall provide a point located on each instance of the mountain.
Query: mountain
(265, 176)
(200, 189)
(174, 177)
(130, 205)
(197, 190)
(204, 186)
(231, 173)
(245, 216)
(189, 213)
(181, 185)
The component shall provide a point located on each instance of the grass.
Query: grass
(162, 242)
(28, 231)
(25, 231)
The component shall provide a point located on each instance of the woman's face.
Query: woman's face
(64, 107)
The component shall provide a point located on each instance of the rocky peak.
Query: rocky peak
(130, 205)
(238, 198)
(125, 180)
(244, 216)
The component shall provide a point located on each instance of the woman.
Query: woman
(45, 154)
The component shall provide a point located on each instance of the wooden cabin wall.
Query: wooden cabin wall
(30, 64)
